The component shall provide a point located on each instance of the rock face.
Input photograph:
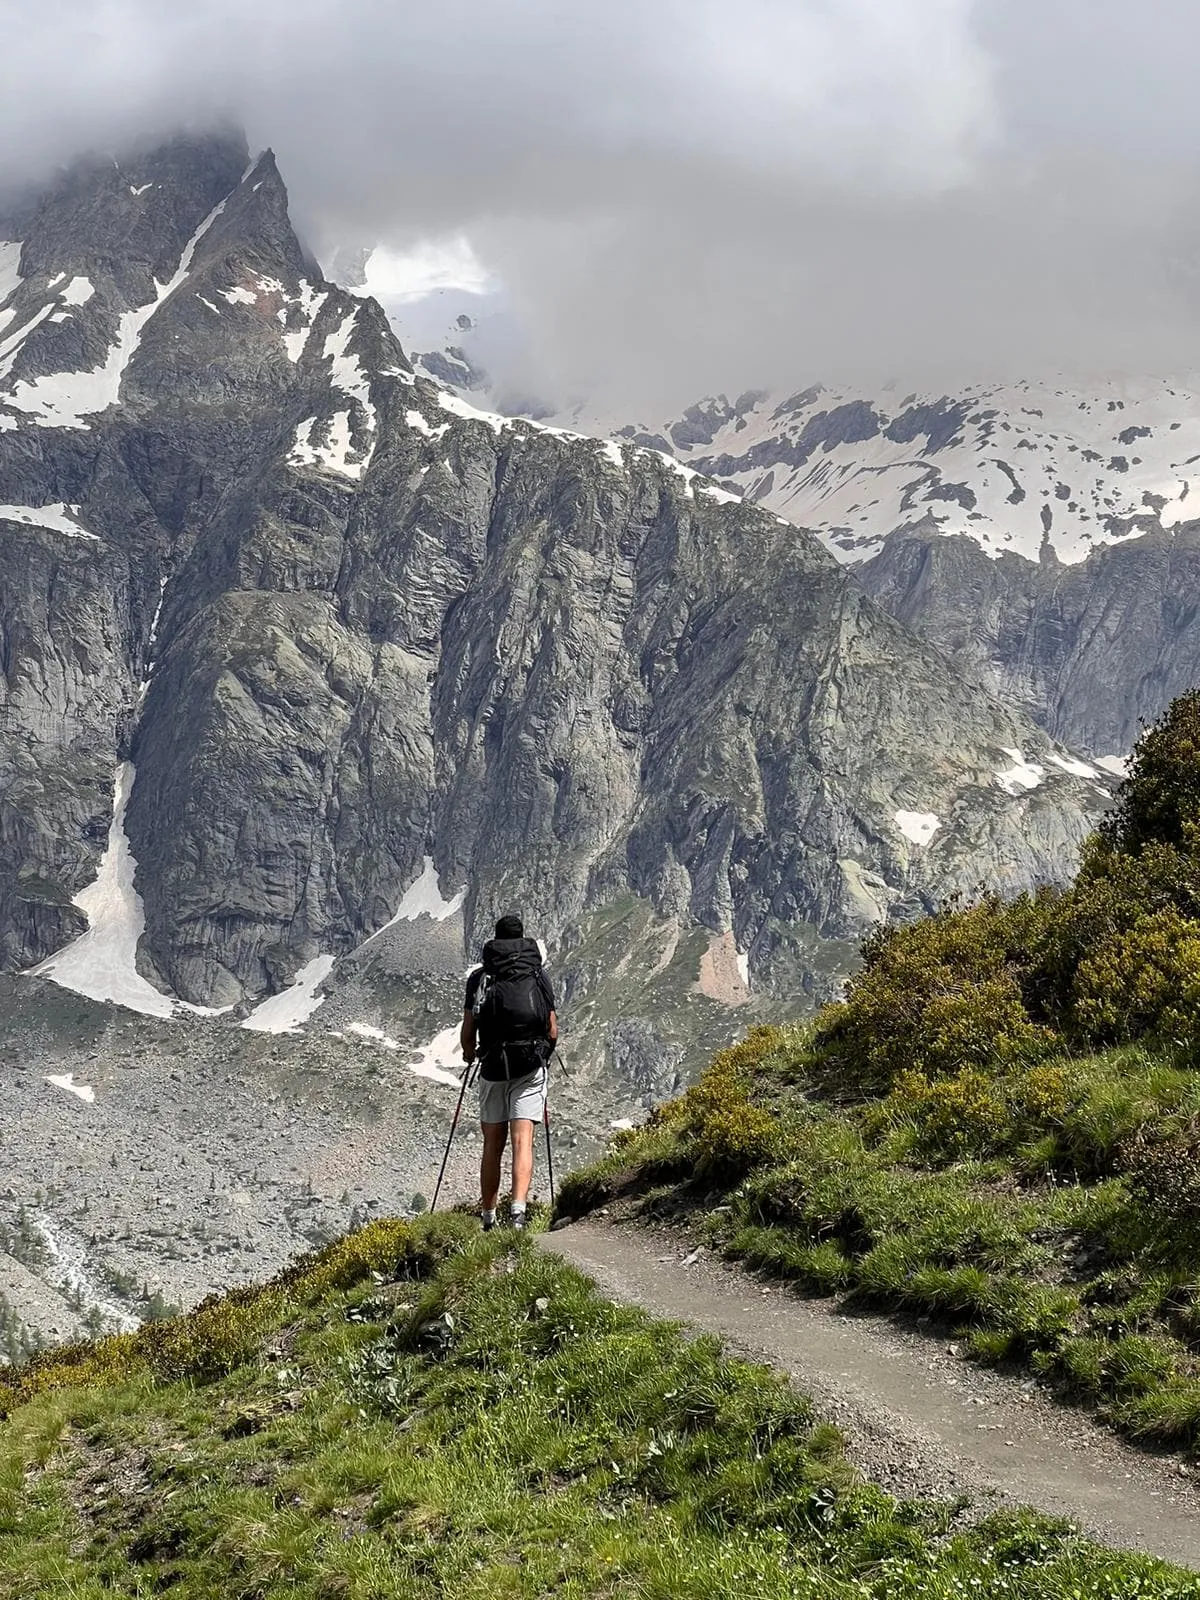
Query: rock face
(340, 622)
(1089, 651)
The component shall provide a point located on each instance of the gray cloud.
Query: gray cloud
(683, 195)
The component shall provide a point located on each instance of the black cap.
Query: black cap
(510, 927)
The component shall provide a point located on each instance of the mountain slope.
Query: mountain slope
(422, 1412)
(1038, 532)
(1039, 469)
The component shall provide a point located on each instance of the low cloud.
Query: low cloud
(681, 197)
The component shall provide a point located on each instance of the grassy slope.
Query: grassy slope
(422, 1411)
(1022, 1206)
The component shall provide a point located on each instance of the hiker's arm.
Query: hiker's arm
(552, 1032)
(467, 1037)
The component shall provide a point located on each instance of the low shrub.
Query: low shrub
(1163, 1174)
(938, 997)
(728, 1136)
(953, 1117)
(1142, 982)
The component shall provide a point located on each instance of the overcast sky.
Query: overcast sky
(680, 196)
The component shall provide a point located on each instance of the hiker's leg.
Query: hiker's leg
(495, 1134)
(522, 1160)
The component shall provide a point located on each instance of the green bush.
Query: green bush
(1160, 801)
(937, 997)
(953, 1117)
(1142, 982)
(729, 1136)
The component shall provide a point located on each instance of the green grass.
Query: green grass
(422, 1411)
(1046, 1213)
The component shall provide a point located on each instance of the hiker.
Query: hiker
(509, 1022)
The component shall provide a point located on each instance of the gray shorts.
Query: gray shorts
(514, 1099)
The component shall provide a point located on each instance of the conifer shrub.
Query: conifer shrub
(1160, 801)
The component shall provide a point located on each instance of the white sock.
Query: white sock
(518, 1208)
(489, 1216)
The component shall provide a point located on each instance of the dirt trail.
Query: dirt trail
(918, 1419)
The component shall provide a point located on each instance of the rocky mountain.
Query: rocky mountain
(329, 621)
(1039, 532)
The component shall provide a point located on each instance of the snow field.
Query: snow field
(102, 962)
(918, 827)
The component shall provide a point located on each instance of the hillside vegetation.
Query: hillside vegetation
(422, 1411)
(999, 1125)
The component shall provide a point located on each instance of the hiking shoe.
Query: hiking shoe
(518, 1221)
(487, 1223)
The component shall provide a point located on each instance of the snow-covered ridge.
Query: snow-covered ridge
(1026, 467)
(611, 449)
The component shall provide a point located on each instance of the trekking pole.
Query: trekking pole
(468, 1074)
(549, 1152)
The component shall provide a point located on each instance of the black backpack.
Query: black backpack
(511, 1009)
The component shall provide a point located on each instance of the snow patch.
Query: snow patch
(623, 1124)
(612, 450)
(417, 421)
(743, 966)
(917, 826)
(10, 264)
(139, 189)
(1117, 765)
(64, 399)
(10, 346)
(78, 292)
(310, 302)
(102, 963)
(459, 408)
(81, 1090)
(1021, 775)
(696, 481)
(1077, 769)
(423, 898)
(238, 296)
(287, 1011)
(441, 1059)
(367, 1030)
(58, 518)
(335, 454)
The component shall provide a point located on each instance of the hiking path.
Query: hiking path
(918, 1419)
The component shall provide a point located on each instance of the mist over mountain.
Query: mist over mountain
(687, 200)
